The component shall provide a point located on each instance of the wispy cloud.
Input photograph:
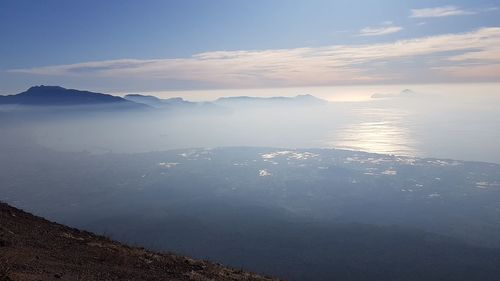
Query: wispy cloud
(447, 54)
(444, 11)
(380, 30)
(489, 9)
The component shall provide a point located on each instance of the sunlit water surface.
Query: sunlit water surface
(383, 131)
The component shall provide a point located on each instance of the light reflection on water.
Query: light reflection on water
(376, 130)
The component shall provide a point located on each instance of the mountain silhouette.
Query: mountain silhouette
(247, 100)
(59, 96)
(157, 102)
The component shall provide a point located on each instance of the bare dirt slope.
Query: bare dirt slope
(32, 248)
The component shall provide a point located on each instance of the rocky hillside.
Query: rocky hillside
(32, 248)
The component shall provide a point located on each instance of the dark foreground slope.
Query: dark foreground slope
(32, 248)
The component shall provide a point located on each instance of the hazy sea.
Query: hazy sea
(460, 121)
(455, 121)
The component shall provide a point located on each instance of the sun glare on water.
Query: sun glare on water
(378, 131)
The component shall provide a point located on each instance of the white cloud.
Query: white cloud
(444, 11)
(377, 31)
(386, 27)
(302, 66)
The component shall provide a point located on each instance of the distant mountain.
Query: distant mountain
(297, 100)
(177, 104)
(157, 102)
(44, 96)
(59, 96)
(225, 104)
(148, 100)
(406, 93)
(32, 248)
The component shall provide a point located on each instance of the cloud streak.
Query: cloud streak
(436, 12)
(377, 31)
(447, 55)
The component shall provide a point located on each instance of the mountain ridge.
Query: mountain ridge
(299, 99)
(58, 96)
(156, 102)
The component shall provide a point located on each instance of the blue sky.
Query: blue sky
(162, 45)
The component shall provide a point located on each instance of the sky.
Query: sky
(134, 46)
